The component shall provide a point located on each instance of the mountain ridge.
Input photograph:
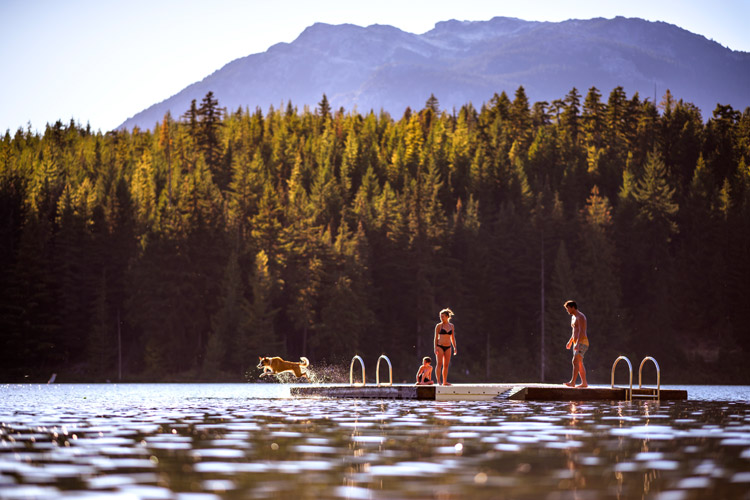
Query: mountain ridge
(380, 67)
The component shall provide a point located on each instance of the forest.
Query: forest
(184, 252)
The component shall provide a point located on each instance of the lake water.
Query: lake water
(208, 441)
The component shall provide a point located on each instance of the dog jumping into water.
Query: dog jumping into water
(276, 365)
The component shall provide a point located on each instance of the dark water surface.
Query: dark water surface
(190, 441)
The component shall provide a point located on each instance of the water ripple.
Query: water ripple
(190, 442)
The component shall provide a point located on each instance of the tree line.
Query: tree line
(184, 252)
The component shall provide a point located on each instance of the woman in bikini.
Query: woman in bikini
(445, 339)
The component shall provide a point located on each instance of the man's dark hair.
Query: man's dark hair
(571, 303)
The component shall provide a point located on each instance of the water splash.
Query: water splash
(317, 374)
(328, 374)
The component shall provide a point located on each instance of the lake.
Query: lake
(210, 441)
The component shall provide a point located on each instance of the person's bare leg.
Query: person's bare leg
(573, 378)
(439, 367)
(446, 363)
(582, 372)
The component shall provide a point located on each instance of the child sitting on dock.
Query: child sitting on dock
(424, 374)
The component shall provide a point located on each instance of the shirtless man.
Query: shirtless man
(579, 341)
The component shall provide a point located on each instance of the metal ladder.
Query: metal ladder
(357, 357)
(649, 392)
(644, 393)
(390, 371)
(628, 392)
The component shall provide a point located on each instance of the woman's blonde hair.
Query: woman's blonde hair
(448, 312)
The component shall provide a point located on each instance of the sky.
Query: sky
(100, 62)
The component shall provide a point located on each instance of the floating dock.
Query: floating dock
(487, 392)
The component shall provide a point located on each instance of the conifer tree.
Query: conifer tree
(324, 108)
(655, 197)
(656, 226)
(260, 331)
(562, 287)
(230, 325)
(520, 118)
(209, 140)
(191, 116)
(599, 271)
(101, 347)
(433, 104)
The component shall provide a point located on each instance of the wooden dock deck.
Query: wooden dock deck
(484, 392)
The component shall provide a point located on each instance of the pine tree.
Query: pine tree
(101, 345)
(227, 348)
(304, 273)
(562, 287)
(261, 331)
(14, 220)
(345, 315)
(520, 119)
(655, 197)
(593, 118)
(324, 108)
(209, 140)
(191, 115)
(598, 275)
(165, 144)
(432, 104)
(656, 226)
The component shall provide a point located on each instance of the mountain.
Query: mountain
(382, 67)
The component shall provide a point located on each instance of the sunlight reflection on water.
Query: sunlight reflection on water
(190, 441)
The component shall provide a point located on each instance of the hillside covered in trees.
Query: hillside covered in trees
(184, 253)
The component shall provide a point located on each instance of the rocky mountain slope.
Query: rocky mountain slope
(384, 68)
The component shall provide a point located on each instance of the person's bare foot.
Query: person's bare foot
(581, 386)
(569, 384)
(446, 383)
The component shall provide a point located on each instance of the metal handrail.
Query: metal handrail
(351, 370)
(390, 371)
(629, 394)
(658, 375)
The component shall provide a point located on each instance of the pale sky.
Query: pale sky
(102, 61)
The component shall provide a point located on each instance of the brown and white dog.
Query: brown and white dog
(276, 365)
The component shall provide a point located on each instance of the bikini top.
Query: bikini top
(443, 331)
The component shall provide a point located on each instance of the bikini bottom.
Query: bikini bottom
(443, 347)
